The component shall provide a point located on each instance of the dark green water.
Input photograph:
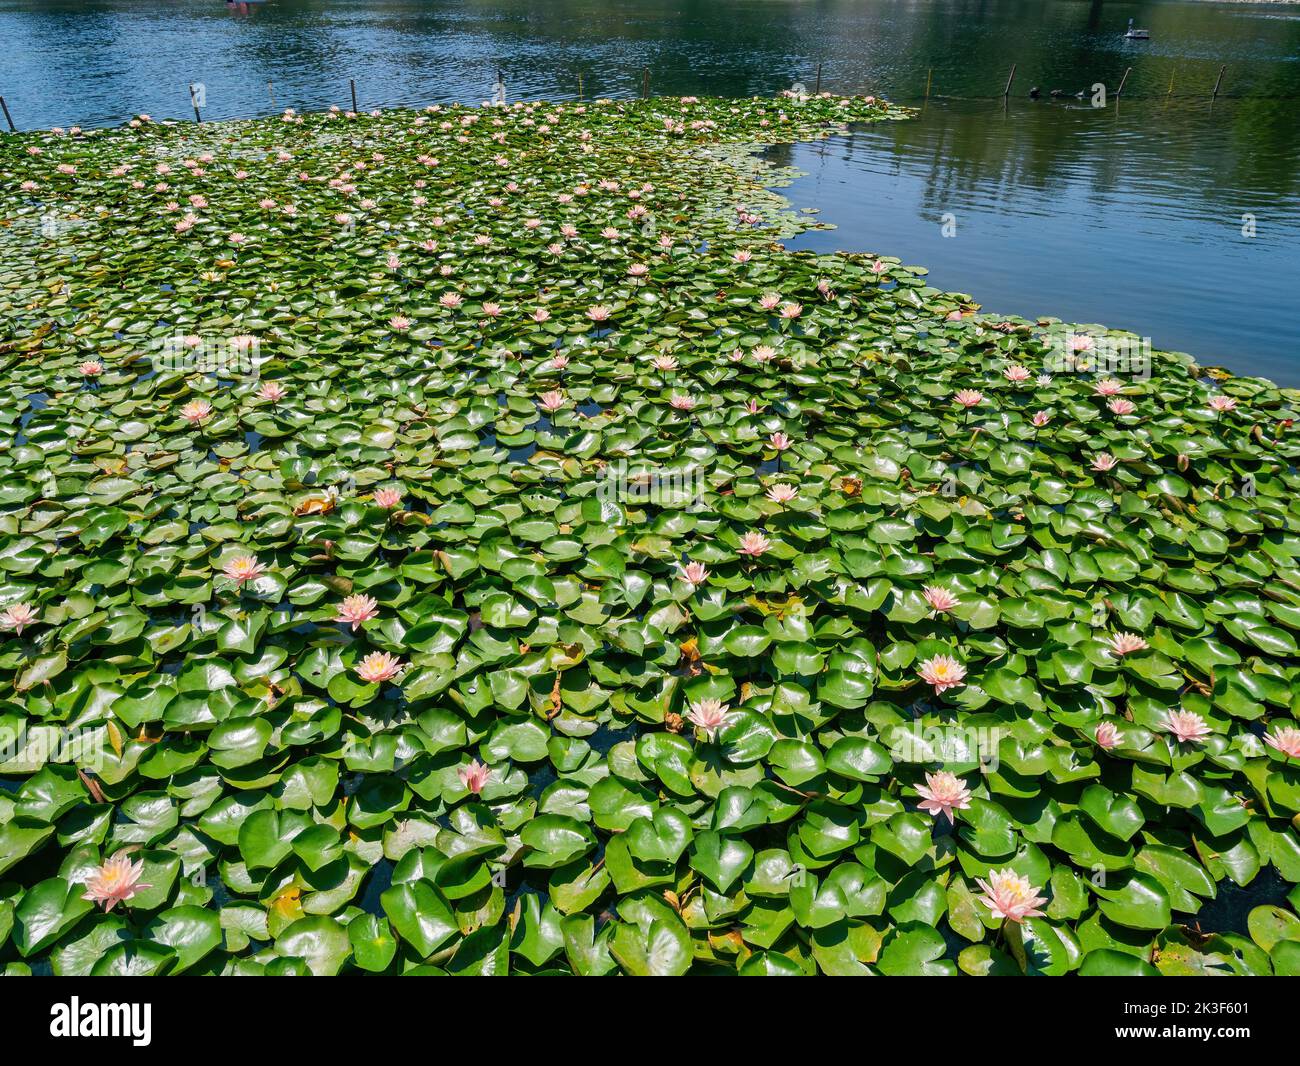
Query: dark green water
(1131, 215)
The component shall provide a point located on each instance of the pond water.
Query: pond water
(1130, 215)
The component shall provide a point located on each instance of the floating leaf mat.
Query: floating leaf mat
(466, 541)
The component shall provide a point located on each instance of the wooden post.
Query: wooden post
(579, 85)
(1218, 81)
(645, 83)
(195, 103)
(1120, 91)
(8, 117)
(1171, 85)
(1010, 78)
(929, 77)
(817, 91)
(353, 86)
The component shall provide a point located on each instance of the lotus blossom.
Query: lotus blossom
(791, 310)
(943, 672)
(664, 362)
(682, 403)
(379, 666)
(940, 598)
(17, 616)
(1040, 418)
(552, 401)
(356, 610)
(695, 573)
(92, 368)
(969, 397)
(451, 300)
(1103, 461)
(779, 441)
(1009, 895)
(1120, 406)
(754, 544)
(400, 323)
(388, 498)
(492, 310)
(1108, 736)
(242, 569)
(1080, 342)
(1222, 403)
(1016, 373)
(541, 315)
(271, 391)
(474, 776)
(1285, 739)
(599, 313)
(116, 881)
(1125, 644)
(559, 362)
(768, 301)
(196, 411)
(1188, 726)
(1108, 387)
(782, 494)
(708, 716)
(943, 793)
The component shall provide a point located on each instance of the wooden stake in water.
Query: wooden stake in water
(1120, 90)
(8, 117)
(194, 102)
(929, 77)
(1010, 78)
(353, 86)
(817, 91)
(579, 85)
(645, 83)
(1218, 81)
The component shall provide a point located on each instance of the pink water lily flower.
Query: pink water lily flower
(1222, 403)
(1285, 739)
(116, 881)
(782, 494)
(1108, 736)
(943, 672)
(357, 610)
(1009, 895)
(400, 323)
(682, 403)
(388, 499)
(1108, 387)
(664, 362)
(17, 616)
(474, 776)
(1016, 373)
(92, 368)
(379, 666)
(695, 573)
(969, 397)
(1103, 461)
(1188, 726)
(779, 441)
(271, 391)
(1121, 406)
(599, 313)
(940, 598)
(768, 301)
(196, 411)
(552, 401)
(753, 544)
(708, 716)
(943, 793)
(451, 300)
(1125, 644)
(1040, 418)
(791, 310)
(242, 569)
